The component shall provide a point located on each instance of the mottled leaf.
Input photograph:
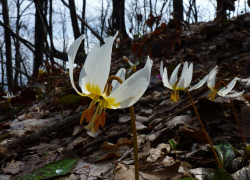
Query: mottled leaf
(219, 174)
(57, 168)
(225, 153)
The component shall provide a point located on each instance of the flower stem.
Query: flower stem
(204, 130)
(132, 114)
(236, 119)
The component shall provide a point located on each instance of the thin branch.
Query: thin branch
(19, 70)
(84, 22)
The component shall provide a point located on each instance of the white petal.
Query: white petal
(5, 96)
(121, 74)
(211, 78)
(189, 75)
(129, 92)
(165, 79)
(161, 69)
(12, 95)
(229, 88)
(94, 75)
(182, 81)
(234, 95)
(71, 58)
(174, 75)
(199, 84)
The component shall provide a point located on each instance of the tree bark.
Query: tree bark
(118, 18)
(83, 17)
(17, 44)
(178, 9)
(73, 16)
(9, 69)
(39, 38)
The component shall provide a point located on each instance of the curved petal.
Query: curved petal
(165, 79)
(121, 74)
(189, 75)
(234, 95)
(174, 75)
(129, 92)
(199, 84)
(229, 88)
(71, 58)
(182, 81)
(95, 72)
(211, 78)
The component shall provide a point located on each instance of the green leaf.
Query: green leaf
(69, 99)
(247, 150)
(209, 176)
(172, 143)
(219, 174)
(225, 153)
(57, 168)
(4, 137)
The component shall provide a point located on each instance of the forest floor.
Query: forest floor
(43, 127)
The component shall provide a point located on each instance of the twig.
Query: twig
(99, 140)
(114, 164)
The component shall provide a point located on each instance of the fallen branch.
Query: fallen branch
(27, 140)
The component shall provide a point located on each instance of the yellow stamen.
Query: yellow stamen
(215, 90)
(175, 96)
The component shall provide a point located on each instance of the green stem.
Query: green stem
(236, 119)
(132, 114)
(204, 130)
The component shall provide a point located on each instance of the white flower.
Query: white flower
(215, 88)
(132, 67)
(9, 96)
(181, 83)
(41, 70)
(93, 82)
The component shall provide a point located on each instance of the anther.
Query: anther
(84, 115)
(97, 122)
(103, 117)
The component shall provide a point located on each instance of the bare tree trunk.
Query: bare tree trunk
(50, 30)
(39, 38)
(2, 68)
(118, 17)
(195, 12)
(76, 30)
(17, 44)
(8, 45)
(178, 9)
(83, 17)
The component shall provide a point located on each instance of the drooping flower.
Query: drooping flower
(93, 83)
(41, 70)
(181, 83)
(215, 88)
(132, 66)
(9, 96)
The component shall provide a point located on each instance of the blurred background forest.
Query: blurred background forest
(37, 33)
